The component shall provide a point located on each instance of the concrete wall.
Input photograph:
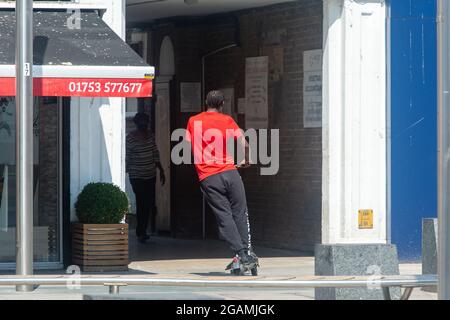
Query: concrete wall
(48, 172)
(285, 209)
(354, 118)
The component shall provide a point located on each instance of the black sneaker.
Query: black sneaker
(246, 258)
(254, 256)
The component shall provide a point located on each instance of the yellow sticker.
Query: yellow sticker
(365, 219)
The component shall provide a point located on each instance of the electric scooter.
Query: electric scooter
(237, 268)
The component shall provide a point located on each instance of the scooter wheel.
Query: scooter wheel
(254, 271)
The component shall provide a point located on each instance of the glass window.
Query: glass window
(46, 183)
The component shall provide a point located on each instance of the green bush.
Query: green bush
(101, 203)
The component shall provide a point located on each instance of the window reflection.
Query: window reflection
(46, 170)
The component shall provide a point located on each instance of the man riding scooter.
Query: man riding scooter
(220, 180)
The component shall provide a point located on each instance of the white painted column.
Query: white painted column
(97, 134)
(354, 121)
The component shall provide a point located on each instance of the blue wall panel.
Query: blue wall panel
(413, 121)
(413, 8)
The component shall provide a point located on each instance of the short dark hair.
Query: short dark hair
(141, 118)
(215, 99)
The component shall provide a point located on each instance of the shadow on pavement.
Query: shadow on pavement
(161, 248)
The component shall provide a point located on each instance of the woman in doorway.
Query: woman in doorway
(142, 159)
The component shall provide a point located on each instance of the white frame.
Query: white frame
(101, 72)
(388, 129)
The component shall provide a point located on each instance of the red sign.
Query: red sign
(75, 87)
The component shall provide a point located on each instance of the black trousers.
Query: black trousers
(145, 202)
(225, 194)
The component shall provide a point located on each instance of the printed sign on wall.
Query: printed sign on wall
(312, 89)
(365, 219)
(256, 89)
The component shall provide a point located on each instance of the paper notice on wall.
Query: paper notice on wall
(256, 89)
(365, 219)
(312, 89)
(228, 108)
(7, 130)
(191, 97)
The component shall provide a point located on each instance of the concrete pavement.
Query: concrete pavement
(174, 256)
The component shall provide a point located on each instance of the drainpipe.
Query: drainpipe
(24, 140)
(443, 153)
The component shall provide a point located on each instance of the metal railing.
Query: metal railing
(115, 282)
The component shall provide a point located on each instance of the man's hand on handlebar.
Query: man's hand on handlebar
(244, 165)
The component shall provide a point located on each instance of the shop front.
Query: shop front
(78, 59)
(350, 160)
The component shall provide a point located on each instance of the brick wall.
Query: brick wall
(48, 173)
(285, 209)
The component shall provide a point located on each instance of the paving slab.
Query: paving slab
(176, 257)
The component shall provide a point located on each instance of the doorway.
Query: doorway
(158, 108)
(279, 41)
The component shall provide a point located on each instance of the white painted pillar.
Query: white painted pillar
(97, 134)
(354, 121)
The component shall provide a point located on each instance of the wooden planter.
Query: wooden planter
(100, 247)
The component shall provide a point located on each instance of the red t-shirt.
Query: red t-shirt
(209, 133)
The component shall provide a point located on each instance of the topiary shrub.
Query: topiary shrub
(101, 203)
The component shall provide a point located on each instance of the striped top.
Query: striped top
(141, 157)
